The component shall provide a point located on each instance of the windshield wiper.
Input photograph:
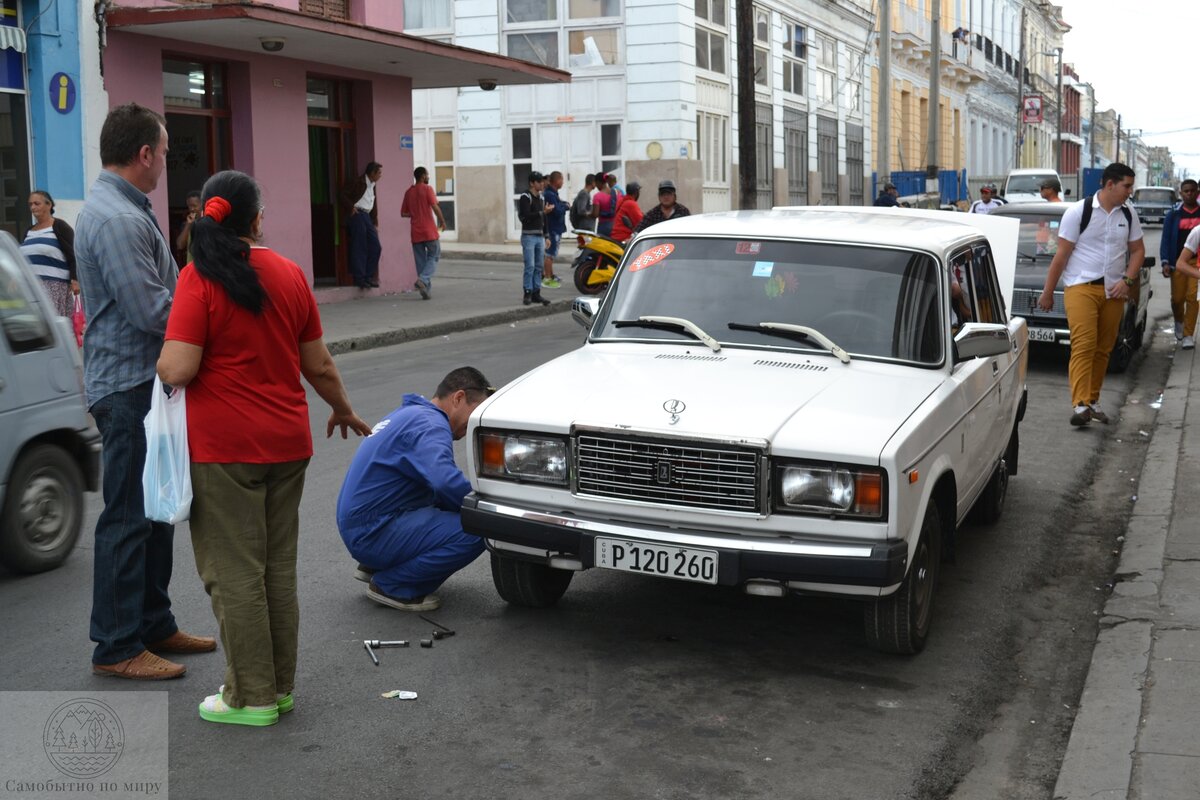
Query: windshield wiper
(793, 331)
(671, 324)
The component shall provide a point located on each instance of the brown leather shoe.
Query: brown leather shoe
(180, 642)
(145, 666)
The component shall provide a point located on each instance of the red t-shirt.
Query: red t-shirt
(246, 404)
(418, 203)
(628, 207)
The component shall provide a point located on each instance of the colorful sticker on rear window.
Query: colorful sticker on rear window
(782, 283)
(763, 269)
(748, 248)
(652, 256)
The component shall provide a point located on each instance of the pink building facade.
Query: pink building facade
(301, 94)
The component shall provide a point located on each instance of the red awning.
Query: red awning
(243, 26)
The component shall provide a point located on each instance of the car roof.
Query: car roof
(1033, 171)
(1033, 207)
(865, 225)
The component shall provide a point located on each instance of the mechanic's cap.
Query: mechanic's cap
(666, 186)
(536, 176)
(633, 186)
(1052, 183)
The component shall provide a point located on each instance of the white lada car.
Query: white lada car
(796, 400)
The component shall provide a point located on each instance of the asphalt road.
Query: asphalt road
(636, 688)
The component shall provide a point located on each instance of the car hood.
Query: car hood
(803, 404)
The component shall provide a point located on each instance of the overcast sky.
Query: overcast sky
(1140, 55)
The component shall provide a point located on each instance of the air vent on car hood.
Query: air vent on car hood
(792, 365)
(689, 357)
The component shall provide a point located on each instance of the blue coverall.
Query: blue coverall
(398, 511)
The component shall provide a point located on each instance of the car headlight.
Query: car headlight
(831, 489)
(523, 457)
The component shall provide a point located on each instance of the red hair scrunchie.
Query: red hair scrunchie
(217, 208)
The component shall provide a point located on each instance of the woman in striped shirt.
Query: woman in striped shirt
(50, 248)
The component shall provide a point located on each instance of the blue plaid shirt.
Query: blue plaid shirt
(127, 277)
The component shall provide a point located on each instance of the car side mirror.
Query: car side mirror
(583, 311)
(981, 340)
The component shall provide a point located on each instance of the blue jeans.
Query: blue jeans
(132, 566)
(533, 248)
(364, 248)
(426, 254)
(555, 239)
(414, 552)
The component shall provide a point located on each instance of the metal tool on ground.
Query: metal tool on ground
(371, 645)
(427, 643)
(443, 631)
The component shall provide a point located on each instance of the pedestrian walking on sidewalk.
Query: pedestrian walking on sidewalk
(360, 201)
(421, 206)
(399, 510)
(1100, 254)
(556, 226)
(127, 277)
(1180, 221)
(249, 438)
(531, 210)
(50, 248)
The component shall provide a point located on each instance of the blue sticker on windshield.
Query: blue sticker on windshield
(1054, 223)
(763, 269)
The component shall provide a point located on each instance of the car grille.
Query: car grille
(1025, 304)
(693, 475)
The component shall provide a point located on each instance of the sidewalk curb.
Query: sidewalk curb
(467, 255)
(369, 341)
(1099, 760)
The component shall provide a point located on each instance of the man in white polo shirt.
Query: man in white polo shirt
(1100, 254)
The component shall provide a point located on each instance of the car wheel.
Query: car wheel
(990, 504)
(1122, 353)
(899, 623)
(524, 583)
(43, 510)
(582, 273)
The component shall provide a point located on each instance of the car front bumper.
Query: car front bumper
(543, 536)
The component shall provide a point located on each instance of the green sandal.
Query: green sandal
(215, 709)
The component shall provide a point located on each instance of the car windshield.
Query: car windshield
(1157, 196)
(1038, 237)
(868, 301)
(1025, 184)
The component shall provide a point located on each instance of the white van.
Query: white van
(1025, 184)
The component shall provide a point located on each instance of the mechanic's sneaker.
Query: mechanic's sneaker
(1098, 414)
(1188, 342)
(1178, 331)
(1082, 415)
(363, 573)
(428, 602)
(551, 283)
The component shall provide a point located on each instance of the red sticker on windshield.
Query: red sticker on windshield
(651, 257)
(748, 248)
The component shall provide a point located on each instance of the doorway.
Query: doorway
(330, 166)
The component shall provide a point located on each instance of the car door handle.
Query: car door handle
(995, 368)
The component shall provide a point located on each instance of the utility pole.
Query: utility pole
(747, 157)
(884, 127)
(1117, 157)
(1058, 152)
(935, 92)
(1092, 126)
(1020, 96)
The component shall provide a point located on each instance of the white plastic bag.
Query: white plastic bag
(167, 476)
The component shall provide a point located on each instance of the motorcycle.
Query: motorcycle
(597, 261)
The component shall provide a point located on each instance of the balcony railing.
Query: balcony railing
(327, 9)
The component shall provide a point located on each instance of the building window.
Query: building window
(594, 47)
(710, 44)
(540, 47)
(826, 75)
(854, 162)
(428, 14)
(795, 53)
(827, 159)
(762, 26)
(823, 88)
(713, 133)
(795, 154)
(531, 10)
(827, 53)
(762, 67)
(610, 147)
(852, 96)
(764, 152)
(589, 9)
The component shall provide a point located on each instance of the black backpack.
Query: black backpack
(1087, 214)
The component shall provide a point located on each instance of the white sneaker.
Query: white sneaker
(1188, 342)
(1178, 331)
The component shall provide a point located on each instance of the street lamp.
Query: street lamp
(1058, 152)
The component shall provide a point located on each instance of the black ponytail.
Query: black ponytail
(218, 251)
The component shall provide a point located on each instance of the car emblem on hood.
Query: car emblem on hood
(674, 408)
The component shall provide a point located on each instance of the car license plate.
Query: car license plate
(1041, 335)
(683, 563)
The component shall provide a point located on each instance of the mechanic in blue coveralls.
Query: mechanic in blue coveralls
(398, 511)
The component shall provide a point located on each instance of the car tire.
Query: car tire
(1122, 352)
(43, 510)
(899, 623)
(524, 583)
(990, 505)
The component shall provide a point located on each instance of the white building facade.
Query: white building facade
(652, 97)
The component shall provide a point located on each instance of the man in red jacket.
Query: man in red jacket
(628, 215)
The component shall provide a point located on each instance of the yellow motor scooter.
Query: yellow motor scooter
(597, 261)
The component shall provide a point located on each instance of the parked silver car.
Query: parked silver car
(49, 448)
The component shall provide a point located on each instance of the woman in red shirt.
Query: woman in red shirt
(243, 328)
